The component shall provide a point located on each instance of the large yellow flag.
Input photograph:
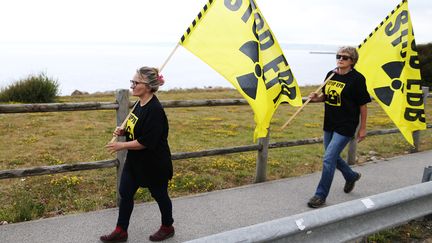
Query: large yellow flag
(234, 39)
(389, 61)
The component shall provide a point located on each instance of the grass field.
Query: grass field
(36, 139)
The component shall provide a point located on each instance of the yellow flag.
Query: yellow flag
(234, 39)
(389, 61)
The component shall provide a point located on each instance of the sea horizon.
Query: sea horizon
(107, 66)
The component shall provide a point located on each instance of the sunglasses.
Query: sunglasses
(345, 58)
(135, 83)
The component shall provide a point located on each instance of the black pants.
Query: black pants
(128, 188)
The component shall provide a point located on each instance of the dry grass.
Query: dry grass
(54, 138)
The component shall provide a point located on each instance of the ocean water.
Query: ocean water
(99, 67)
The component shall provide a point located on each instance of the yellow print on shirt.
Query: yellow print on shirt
(130, 125)
(333, 91)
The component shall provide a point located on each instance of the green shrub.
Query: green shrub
(425, 57)
(34, 89)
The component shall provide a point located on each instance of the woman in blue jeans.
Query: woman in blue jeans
(345, 96)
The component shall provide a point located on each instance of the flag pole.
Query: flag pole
(123, 125)
(306, 102)
(169, 57)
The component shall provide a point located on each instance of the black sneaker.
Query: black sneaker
(316, 202)
(349, 186)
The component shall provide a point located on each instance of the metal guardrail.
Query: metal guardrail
(338, 223)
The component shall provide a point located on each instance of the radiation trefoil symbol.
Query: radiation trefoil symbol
(334, 98)
(393, 71)
(249, 82)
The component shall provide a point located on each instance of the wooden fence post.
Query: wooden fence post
(416, 134)
(122, 98)
(261, 164)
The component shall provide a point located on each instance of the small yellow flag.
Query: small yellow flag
(234, 39)
(389, 61)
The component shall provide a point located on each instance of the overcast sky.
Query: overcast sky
(292, 21)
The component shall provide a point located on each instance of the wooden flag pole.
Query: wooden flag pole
(169, 57)
(123, 125)
(306, 102)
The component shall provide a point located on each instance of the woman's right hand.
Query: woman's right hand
(313, 96)
(118, 131)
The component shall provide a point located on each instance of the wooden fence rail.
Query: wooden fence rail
(55, 169)
(85, 106)
(122, 106)
(55, 107)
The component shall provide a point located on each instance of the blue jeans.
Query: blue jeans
(334, 143)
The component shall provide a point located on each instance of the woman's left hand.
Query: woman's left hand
(361, 135)
(114, 147)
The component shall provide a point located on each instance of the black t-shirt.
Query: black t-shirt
(148, 125)
(344, 94)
